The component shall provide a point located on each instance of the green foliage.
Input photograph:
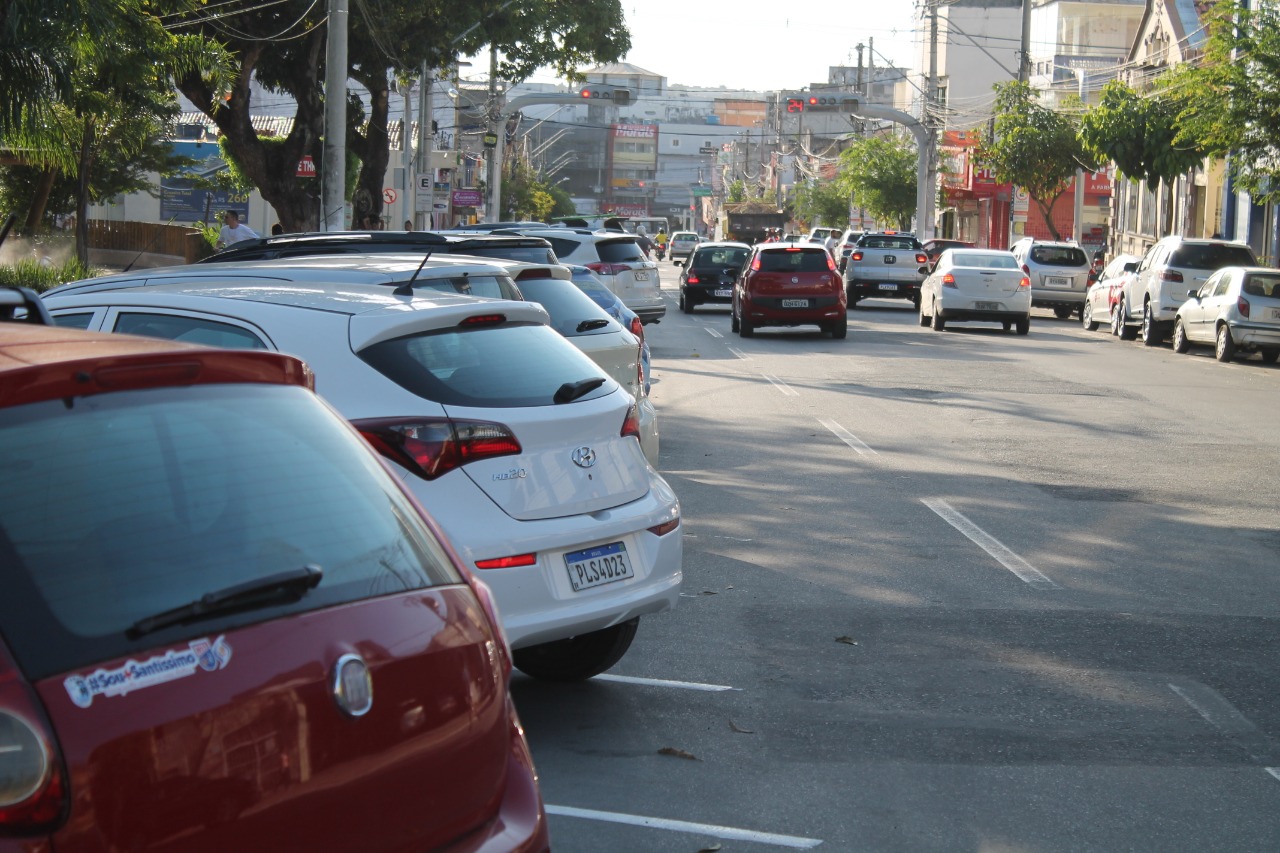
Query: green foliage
(1138, 134)
(879, 173)
(41, 277)
(822, 202)
(736, 192)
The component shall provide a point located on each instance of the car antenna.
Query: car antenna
(406, 289)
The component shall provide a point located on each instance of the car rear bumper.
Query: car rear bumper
(769, 311)
(649, 309)
(705, 294)
(1044, 298)
(1254, 334)
(884, 289)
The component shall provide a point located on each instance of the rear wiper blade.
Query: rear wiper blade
(570, 391)
(281, 588)
(588, 325)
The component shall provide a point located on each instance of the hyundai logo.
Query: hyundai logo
(584, 457)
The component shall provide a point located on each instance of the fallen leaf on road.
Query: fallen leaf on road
(712, 849)
(848, 641)
(739, 729)
(709, 592)
(678, 753)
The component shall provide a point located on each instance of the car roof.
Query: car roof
(367, 242)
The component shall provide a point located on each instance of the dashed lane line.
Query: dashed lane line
(663, 682)
(715, 333)
(781, 386)
(848, 438)
(1025, 572)
(731, 833)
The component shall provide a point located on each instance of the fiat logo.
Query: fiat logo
(584, 457)
(352, 685)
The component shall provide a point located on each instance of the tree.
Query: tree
(879, 173)
(1138, 134)
(822, 201)
(1034, 148)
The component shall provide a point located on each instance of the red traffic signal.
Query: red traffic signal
(618, 96)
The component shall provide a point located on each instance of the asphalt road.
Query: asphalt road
(960, 591)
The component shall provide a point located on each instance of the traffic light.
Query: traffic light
(799, 103)
(619, 97)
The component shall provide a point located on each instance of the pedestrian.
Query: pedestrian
(232, 231)
(408, 225)
(277, 230)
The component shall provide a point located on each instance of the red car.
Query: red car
(224, 624)
(789, 284)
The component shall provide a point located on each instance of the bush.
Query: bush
(40, 277)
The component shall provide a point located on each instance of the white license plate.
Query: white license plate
(888, 287)
(723, 292)
(642, 275)
(598, 566)
(1057, 281)
(795, 303)
(986, 306)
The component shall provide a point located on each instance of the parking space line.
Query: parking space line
(848, 438)
(1025, 572)
(781, 386)
(740, 354)
(662, 682)
(713, 332)
(1215, 709)
(731, 833)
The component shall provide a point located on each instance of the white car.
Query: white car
(682, 245)
(1237, 311)
(1104, 294)
(618, 260)
(521, 447)
(982, 285)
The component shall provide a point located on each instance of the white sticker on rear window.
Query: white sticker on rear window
(135, 675)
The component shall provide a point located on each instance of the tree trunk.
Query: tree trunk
(40, 200)
(1046, 210)
(375, 152)
(84, 168)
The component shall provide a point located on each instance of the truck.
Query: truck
(750, 221)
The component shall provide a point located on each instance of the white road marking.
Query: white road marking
(795, 842)
(1274, 771)
(1216, 710)
(848, 437)
(662, 682)
(781, 386)
(740, 354)
(1025, 571)
(713, 332)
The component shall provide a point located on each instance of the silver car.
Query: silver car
(1059, 274)
(982, 285)
(1237, 311)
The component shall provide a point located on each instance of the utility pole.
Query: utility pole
(426, 148)
(1024, 60)
(497, 126)
(930, 118)
(407, 190)
(333, 181)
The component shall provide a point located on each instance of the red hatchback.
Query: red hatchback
(224, 624)
(789, 284)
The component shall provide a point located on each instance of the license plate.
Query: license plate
(888, 287)
(890, 259)
(598, 566)
(724, 291)
(1057, 281)
(1275, 313)
(642, 275)
(795, 303)
(986, 306)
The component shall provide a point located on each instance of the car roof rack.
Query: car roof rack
(23, 305)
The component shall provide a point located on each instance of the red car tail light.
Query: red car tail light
(637, 328)
(514, 561)
(1025, 282)
(484, 320)
(1242, 305)
(33, 787)
(755, 263)
(432, 447)
(856, 256)
(922, 258)
(665, 527)
(631, 423)
(948, 280)
(693, 278)
(1026, 269)
(831, 264)
(608, 269)
(1170, 275)
(639, 370)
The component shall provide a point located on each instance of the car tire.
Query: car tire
(1269, 356)
(853, 300)
(915, 300)
(1086, 318)
(1126, 332)
(745, 329)
(938, 323)
(1023, 326)
(1150, 336)
(839, 329)
(733, 320)
(1225, 348)
(924, 318)
(1062, 312)
(685, 305)
(1180, 342)
(1116, 323)
(576, 658)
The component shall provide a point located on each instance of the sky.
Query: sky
(750, 44)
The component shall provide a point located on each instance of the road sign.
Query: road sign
(707, 150)
(306, 167)
(389, 196)
(700, 192)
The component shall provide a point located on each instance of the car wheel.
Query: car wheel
(1269, 356)
(1180, 342)
(733, 319)
(938, 323)
(1023, 326)
(685, 305)
(1116, 322)
(1150, 337)
(915, 300)
(839, 329)
(1127, 332)
(745, 329)
(853, 300)
(576, 658)
(1226, 345)
(1086, 318)
(1062, 312)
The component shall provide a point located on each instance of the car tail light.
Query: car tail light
(534, 273)
(922, 258)
(640, 370)
(856, 256)
(1242, 305)
(484, 320)
(432, 447)
(637, 328)
(33, 787)
(665, 527)
(608, 269)
(948, 280)
(1026, 269)
(755, 263)
(1170, 275)
(831, 264)
(1024, 282)
(693, 278)
(490, 608)
(514, 561)
(631, 423)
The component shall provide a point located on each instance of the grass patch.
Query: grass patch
(41, 277)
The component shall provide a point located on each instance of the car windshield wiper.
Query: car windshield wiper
(570, 391)
(588, 325)
(282, 588)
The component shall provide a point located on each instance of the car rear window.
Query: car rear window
(984, 260)
(508, 366)
(527, 254)
(1059, 256)
(491, 286)
(871, 241)
(620, 251)
(1257, 284)
(120, 506)
(572, 312)
(719, 258)
(1211, 256)
(794, 260)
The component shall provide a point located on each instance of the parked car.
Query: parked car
(682, 245)
(619, 262)
(984, 285)
(709, 276)
(1059, 274)
(590, 284)
(885, 264)
(1169, 272)
(512, 247)
(934, 248)
(1237, 311)
(1104, 294)
(525, 451)
(789, 285)
(224, 622)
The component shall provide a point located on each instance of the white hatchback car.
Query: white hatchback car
(976, 284)
(1237, 311)
(521, 447)
(618, 260)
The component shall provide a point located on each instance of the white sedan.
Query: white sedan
(1237, 311)
(984, 285)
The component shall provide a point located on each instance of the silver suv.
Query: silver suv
(1059, 273)
(1168, 273)
(617, 259)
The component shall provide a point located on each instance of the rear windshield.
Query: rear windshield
(1059, 256)
(619, 251)
(120, 506)
(528, 254)
(719, 258)
(879, 241)
(1262, 285)
(509, 366)
(572, 312)
(1211, 256)
(984, 260)
(491, 286)
(795, 260)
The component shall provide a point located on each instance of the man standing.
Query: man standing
(232, 231)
